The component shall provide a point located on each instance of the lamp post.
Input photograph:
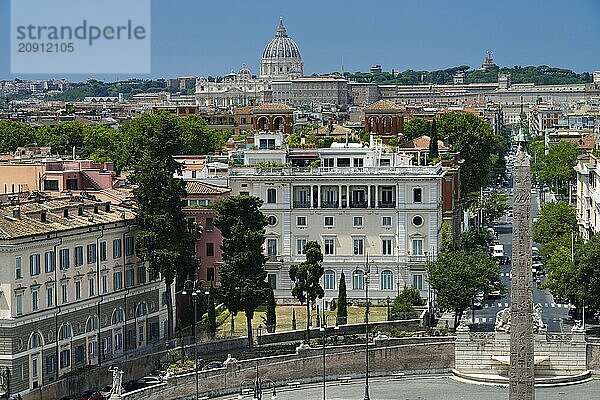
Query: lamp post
(323, 330)
(196, 289)
(366, 276)
(257, 386)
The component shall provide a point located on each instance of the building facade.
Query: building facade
(588, 195)
(73, 291)
(362, 206)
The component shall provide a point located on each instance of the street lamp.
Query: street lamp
(323, 330)
(366, 280)
(196, 289)
(257, 386)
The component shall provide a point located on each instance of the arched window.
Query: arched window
(358, 280)
(278, 124)
(387, 280)
(65, 332)
(263, 124)
(118, 316)
(329, 279)
(35, 340)
(141, 310)
(92, 323)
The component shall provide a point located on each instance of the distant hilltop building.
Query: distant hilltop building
(376, 69)
(488, 62)
(280, 80)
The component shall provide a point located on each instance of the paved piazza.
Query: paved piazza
(428, 388)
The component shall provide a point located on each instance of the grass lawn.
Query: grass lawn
(284, 319)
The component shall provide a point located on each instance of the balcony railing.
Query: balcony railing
(329, 204)
(387, 204)
(301, 204)
(358, 204)
(303, 171)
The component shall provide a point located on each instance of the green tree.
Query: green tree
(447, 239)
(271, 318)
(458, 275)
(212, 315)
(433, 141)
(342, 302)
(476, 241)
(557, 166)
(62, 137)
(563, 271)
(164, 239)
(554, 221)
(590, 272)
(14, 134)
(242, 274)
(416, 127)
(307, 279)
(472, 136)
(198, 137)
(101, 143)
(404, 304)
(493, 205)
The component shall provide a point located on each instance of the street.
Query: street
(426, 388)
(555, 315)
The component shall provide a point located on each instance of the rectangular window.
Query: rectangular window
(329, 280)
(328, 222)
(328, 163)
(35, 301)
(78, 256)
(65, 358)
(386, 247)
(64, 259)
(300, 244)
(272, 247)
(50, 296)
(107, 345)
(18, 267)
(49, 261)
(104, 283)
(91, 253)
(117, 249)
(386, 221)
(19, 304)
(50, 184)
(329, 246)
(117, 280)
(210, 249)
(210, 225)
(272, 279)
(64, 293)
(77, 290)
(34, 264)
(118, 340)
(358, 162)
(210, 274)
(417, 195)
(129, 277)
(91, 286)
(271, 196)
(418, 282)
(129, 246)
(301, 221)
(387, 196)
(103, 251)
(141, 274)
(359, 246)
(417, 246)
(357, 222)
(343, 162)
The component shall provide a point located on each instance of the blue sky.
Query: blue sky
(191, 37)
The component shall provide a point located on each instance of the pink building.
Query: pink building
(200, 196)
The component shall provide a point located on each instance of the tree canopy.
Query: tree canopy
(243, 285)
(458, 275)
(556, 169)
(416, 127)
(555, 219)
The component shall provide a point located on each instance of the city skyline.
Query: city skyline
(331, 37)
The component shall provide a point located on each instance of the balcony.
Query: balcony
(301, 204)
(387, 204)
(358, 204)
(329, 204)
(417, 258)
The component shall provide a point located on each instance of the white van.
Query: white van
(498, 251)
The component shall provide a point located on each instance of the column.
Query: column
(376, 196)
(369, 196)
(312, 193)
(318, 196)
(339, 196)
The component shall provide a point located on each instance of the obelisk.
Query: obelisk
(521, 377)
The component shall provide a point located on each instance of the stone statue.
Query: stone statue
(117, 388)
(503, 320)
(538, 325)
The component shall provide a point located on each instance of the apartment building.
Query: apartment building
(588, 195)
(73, 292)
(367, 209)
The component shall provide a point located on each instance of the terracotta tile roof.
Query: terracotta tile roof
(585, 143)
(196, 187)
(383, 105)
(29, 223)
(270, 107)
(420, 143)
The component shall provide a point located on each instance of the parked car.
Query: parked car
(212, 365)
(106, 391)
(142, 382)
(494, 294)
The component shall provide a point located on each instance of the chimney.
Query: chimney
(66, 213)
(95, 208)
(80, 210)
(108, 207)
(16, 212)
(43, 216)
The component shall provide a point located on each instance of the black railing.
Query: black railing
(301, 204)
(329, 204)
(358, 204)
(387, 204)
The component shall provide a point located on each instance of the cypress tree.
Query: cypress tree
(433, 141)
(271, 319)
(342, 306)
